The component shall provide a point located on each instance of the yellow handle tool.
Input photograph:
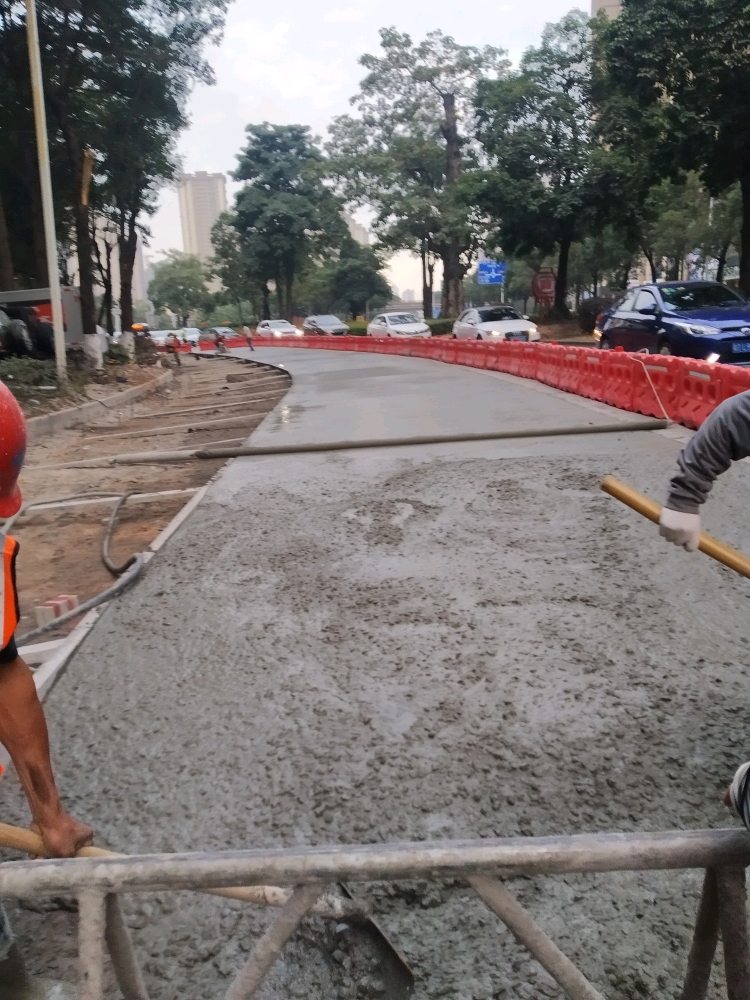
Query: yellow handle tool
(717, 550)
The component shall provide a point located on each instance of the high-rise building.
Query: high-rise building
(203, 198)
(610, 7)
(358, 232)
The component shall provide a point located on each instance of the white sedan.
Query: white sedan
(397, 325)
(277, 328)
(494, 323)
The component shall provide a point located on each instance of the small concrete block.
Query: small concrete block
(44, 614)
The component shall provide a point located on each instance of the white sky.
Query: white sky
(297, 64)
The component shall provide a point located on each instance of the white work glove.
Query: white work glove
(681, 529)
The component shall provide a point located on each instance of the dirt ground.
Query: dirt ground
(60, 549)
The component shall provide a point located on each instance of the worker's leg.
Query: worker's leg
(23, 732)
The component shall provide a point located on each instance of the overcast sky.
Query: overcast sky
(295, 62)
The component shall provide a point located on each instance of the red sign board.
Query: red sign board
(543, 286)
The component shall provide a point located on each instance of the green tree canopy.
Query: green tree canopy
(286, 216)
(673, 94)
(179, 284)
(406, 151)
(535, 127)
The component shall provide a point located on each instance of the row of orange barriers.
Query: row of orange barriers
(684, 390)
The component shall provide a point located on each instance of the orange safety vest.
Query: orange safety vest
(9, 613)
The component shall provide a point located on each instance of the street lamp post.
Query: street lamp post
(45, 180)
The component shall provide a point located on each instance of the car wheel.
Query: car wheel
(479, 336)
(664, 349)
(604, 344)
(454, 337)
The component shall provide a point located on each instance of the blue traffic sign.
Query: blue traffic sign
(490, 272)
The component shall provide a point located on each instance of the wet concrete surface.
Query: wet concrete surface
(454, 641)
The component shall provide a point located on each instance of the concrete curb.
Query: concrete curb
(49, 423)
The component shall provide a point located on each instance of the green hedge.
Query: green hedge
(436, 326)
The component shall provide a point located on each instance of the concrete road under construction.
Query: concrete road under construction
(445, 641)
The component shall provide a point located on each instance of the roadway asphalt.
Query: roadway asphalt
(452, 641)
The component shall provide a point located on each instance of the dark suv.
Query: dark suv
(692, 319)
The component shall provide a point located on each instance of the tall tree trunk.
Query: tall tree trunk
(430, 286)
(745, 248)
(110, 320)
(560, 307)
(426, 296)
(722, 260)
(452, 284)
(289, 297)
(127, 247)
(83, 235)
(37, 215)
(265, 295)
(6, 258)
(452, 258)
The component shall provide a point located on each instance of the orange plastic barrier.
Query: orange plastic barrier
(619, 384)
(592, 373)
(700, 391)
(656, 385)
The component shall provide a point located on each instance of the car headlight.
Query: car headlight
(532, 329)
(694, 328)
(496, 333)
(597, 333)
(277, 333)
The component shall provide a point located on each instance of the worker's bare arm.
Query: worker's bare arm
(23, 732)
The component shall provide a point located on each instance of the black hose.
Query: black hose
(114, 569)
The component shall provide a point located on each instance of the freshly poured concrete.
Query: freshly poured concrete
(454, 641)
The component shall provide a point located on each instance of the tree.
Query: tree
(601, 258)
(123, 111)
(674, 83)
(356, 278)
(285, 215)
(232, 266)
(406, 152)
(179, 284)
(535, 127)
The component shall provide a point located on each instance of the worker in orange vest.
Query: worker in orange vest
(23, 729)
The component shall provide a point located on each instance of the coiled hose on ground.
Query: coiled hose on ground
(127, 573)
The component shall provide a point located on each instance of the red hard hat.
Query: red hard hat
(12, 451)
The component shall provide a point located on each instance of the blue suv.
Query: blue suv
(692, 319)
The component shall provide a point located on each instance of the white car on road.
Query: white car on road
(277, 328)
(397, 325)
(494, 323)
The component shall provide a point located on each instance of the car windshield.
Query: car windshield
(497, 314)
(398, 319)
(695, 296)
(279, 324)
(326, 319)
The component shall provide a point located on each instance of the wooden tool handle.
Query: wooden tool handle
(717, 550)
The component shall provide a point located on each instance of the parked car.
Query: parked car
(494, 323)
(317, 325)
(692, 319)
(397, 325)
(277, 328)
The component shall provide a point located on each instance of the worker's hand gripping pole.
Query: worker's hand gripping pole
(717, 550)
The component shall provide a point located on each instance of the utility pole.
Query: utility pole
(45, 180)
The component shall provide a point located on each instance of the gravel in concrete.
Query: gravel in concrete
(459, 641)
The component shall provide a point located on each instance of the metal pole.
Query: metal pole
(91, 931)
(45, 181)
(527, 932)
(733, 923)
(271, 944)
(705, 937)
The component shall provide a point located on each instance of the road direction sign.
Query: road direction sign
(490, 272)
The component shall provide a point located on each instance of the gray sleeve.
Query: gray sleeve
(723, 438)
